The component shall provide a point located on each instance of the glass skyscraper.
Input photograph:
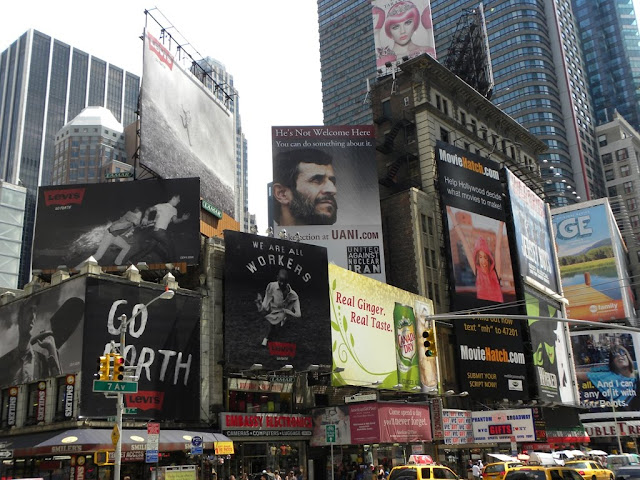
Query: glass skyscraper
(611, 46)
(538, 72)
(347, 58)
(539, 81)
(44, 83)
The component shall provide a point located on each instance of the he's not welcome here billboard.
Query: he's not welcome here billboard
(377, 334)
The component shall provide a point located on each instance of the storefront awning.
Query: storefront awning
(86, 440)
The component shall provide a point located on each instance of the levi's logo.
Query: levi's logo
(145, 400)
(163, 54)
(67, 196)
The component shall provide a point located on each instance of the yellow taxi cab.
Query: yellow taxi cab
(497, 470)
(422, 472)
(538, 472)
(590, 470)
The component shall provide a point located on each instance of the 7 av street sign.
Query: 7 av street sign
(106, 386)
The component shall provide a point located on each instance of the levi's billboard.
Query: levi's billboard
(490, 351)
(153, 221)
(378, 334)
(276, 300)
(163, 343)
(185, 130)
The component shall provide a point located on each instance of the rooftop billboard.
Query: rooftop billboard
(153, 221)
(276, 303)
(402, 29)
(185, 131)
(377, 334)
(491, 352)
(592, 263)
(325, 187)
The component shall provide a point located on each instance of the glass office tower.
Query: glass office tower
(44, 83)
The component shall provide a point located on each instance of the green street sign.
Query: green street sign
(130, 411)
(211, 209)
(118, 175)
(330, 433)
(117, 387)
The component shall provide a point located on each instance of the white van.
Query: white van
(614, 462)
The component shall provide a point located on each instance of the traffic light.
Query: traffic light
(429, 336)
(118, 368)
(104, 367)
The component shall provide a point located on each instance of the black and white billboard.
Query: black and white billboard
(185, 131)
(163, 342)
(41, 335)
(153, 221)
(276, 303)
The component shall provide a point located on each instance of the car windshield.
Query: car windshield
(577, 465)
(526, 475)
(495, 468)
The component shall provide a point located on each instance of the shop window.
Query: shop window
(5, 408)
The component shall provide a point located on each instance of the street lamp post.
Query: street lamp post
(124, 323)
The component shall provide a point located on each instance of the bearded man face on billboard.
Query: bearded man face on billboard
(304, 188)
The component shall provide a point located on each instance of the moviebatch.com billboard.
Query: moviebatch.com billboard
(276, 303)
(185, 131)
(163, 342)
(491, 352)
(152, 221)
(607, 370)
(549, 341)
(372, 423)
(532, 226)
(377, 334)
(402, 30)
(325, 188)
(591, 264)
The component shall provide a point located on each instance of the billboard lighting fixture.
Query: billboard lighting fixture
(287, 368)
(387, 64)
(313, 368)
(398, 386)
(142, 266)
(255, 366)
(338, 370)
(254, 229)
(269, 232)
(282, 234)
(405, 58)
(417, 388)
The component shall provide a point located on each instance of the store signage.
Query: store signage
(42, 401)
(501, 425)
(265, 421)
(613, 429)
(456, 426)
(12, 407)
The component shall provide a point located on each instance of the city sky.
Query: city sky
(270, 48)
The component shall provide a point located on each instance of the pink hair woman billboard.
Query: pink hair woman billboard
(403, 29)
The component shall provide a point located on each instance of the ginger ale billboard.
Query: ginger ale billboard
(382, 336)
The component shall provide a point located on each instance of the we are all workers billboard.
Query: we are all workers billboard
(152, 221)
(491, 351)
(325, 188)
(591, 257)
(276, 303)
(185, 131)
(377, 334)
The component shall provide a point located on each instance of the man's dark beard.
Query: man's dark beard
(304, 210)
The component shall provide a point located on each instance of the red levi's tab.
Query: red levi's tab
(65, 196)
(145, 400)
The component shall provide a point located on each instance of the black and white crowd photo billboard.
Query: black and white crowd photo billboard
(185, 131)
(152, 221)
